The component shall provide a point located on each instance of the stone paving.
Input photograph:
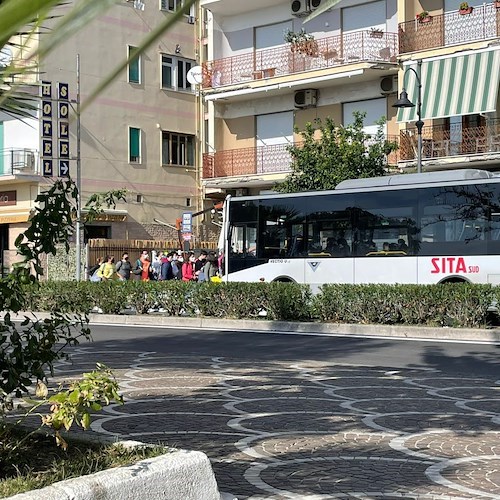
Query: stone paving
(311, 430)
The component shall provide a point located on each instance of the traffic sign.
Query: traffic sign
(63, 168)
(187, 222)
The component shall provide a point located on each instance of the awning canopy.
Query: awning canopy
(454, 86)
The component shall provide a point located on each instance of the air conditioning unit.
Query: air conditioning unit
(314, 4)
(300, 8)
(191, 19)
(389, 85)
(306, 98)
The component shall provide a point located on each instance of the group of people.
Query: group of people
(159, 266)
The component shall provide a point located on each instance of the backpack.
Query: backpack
(138, 267)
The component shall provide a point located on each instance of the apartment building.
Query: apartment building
(459, 55)
(139, 135)
(260, 84)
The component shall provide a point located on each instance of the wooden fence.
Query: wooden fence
(101, 247)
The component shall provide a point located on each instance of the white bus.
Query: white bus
(417, 228)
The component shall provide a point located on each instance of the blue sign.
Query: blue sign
(187, 222)
(63, 168)
(47, 168)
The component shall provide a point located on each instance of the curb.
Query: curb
(179, 475)
(264, 326)
(393, 331)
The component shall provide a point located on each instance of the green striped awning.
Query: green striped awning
(453, 86)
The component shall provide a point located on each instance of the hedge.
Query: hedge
(454, 305)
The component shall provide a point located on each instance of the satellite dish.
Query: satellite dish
(195, 75)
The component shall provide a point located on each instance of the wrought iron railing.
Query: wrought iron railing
(289, 59)
(450, 28)
(18, 161)
(440, 141)
(258, 160)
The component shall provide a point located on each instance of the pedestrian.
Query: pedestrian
(188, 267)
(211, 269)
(166, 272)
(156, 264)
(199, 264)
(145, 265)
(124, 268)
(176, 266)
(94, 269)
(108, 269)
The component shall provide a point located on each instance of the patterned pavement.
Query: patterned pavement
(311, 430)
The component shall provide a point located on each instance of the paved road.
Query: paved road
(311, 417)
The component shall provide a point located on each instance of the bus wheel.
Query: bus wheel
(453, 280)
(283, 279)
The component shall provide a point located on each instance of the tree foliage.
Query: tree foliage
(339, 153)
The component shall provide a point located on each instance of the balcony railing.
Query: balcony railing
(450, 28)
(440, 141)
(258, 160)
(287, 59)
(18, 161)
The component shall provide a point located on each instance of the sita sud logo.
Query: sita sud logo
(451, 265)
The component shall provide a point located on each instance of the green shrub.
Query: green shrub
(457, 305)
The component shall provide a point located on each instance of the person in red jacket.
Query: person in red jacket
(188, 267)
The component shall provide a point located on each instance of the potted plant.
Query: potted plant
(423, 17)
(301, 42)
(377, 32)
(465, 8)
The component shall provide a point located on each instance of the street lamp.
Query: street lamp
(404, 102)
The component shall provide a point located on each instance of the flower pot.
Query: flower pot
(376, 34)
(424, 20)
(464, 12)
(497, 4)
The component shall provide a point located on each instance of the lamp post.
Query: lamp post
(404, 102)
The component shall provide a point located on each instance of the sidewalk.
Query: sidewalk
(393, 331)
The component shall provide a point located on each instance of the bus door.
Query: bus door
(243, 247)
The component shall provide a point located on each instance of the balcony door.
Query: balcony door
(374, 109)
(357, 23)
(270, 52)
(274, 132)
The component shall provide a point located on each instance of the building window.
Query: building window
(188, 202)
(177, 149)
(134, 145)
(134, 67)
(171, 5)
(174, 72)
(139, 198)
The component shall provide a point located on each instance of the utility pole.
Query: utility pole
(78, 176)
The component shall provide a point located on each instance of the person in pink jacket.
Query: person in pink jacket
(188, 267)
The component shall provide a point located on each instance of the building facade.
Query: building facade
(138, 135)
(267, 72)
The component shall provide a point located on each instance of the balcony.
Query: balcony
(282, 60)
(18, 162)
(259, 160)
(439, 141)
(450, 28)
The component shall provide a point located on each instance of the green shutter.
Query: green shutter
(134, 144)
(134, 68)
